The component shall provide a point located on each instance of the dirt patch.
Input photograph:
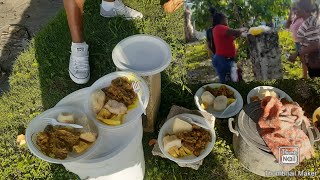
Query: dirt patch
(19, 21)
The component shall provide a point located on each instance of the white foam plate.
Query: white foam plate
(232, 111)
(256, 90)
(143, 54)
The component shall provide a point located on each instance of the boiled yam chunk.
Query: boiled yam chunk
(66, 118)
(171, 141)
(180, 126)
(207, 98)
(220, 103)
(88, 136)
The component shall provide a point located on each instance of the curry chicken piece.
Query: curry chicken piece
(221, 91)
(195, 140)
(121, 90)
(57, 142)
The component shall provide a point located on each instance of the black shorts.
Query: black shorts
(313, 72)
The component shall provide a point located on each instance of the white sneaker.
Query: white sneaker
(121, 10)
(79, 69)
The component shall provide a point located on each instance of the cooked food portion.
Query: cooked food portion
(220, 103)
(207, 98)
(170, 141)
(186, 139)
(196, 140)
(98, 99)
(66, 118)
(57, 142)
(217, 98)
(279, 126)
(180, 126)
(221, 91)
(116, 107)
(88, 136)
(81, 147)
(267, 92)
(121, 90)
(112, 103)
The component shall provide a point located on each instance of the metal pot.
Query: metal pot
(250, 148)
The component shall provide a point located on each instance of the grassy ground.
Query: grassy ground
(40, 79)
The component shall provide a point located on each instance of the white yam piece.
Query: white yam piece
(180, 126)
(66, 117)
(98, 99)
(207, 98)
(171, 141)
(220, 103)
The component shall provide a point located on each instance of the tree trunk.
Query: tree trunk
(265, 55)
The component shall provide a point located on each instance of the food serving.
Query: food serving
(219, 98)
(58, 141)
(280, 126)
(187, 139)
(111, 103)
(261, 94)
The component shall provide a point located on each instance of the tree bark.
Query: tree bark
(265, 55)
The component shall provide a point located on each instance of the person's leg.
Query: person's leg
(219, 67)
(79, 69)
(112, 8)
(74, 10)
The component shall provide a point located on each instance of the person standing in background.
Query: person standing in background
(309, 35)
(293, 24)
(223, 42)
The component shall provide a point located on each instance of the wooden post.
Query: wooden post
(154, 85)
(265, 55)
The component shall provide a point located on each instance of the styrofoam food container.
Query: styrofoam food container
(232, 111)
(37, 125)
(143, 54)
(167, 129)
(133, 114)
(255, 91)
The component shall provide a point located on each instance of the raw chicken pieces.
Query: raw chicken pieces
(279, 127)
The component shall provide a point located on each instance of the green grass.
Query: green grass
(40, 79)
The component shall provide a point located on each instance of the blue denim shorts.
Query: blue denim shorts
(222, 66)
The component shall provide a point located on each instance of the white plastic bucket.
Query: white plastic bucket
(126, 162)
(132, 115)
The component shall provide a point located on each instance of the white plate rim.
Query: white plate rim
(151, 71)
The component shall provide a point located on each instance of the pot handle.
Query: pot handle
(231, 127)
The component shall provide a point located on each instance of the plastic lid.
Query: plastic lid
(143, 54)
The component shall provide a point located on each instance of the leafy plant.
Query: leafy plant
(241, 13)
